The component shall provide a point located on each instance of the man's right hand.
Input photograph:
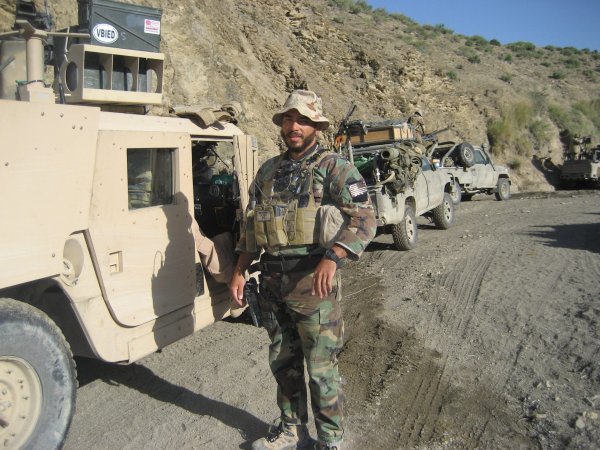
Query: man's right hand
(236, 287)
(238, 280)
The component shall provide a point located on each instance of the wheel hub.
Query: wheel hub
(410, 228)
(20, 401)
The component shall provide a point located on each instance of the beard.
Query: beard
(298, 142)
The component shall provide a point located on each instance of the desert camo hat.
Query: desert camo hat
(306, 103)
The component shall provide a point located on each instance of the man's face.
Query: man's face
(299, 132)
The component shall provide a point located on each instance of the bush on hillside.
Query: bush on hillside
(571, 63)
(581, 118)
(520, 129)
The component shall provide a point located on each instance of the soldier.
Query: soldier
(300, 289)
(418, 125)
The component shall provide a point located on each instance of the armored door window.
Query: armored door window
(149, 177)
(479, 158)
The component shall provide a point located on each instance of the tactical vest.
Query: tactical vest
(288, 217)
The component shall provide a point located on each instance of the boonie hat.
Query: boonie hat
(306, 103)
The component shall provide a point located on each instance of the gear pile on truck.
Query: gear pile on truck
(112, 217)
(401, 181)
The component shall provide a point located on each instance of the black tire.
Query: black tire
(443, 214)
(503, 189)
(405, 233)
(466, 153)
(457, 196)
(36, 359)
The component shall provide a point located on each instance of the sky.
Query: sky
(561, 23)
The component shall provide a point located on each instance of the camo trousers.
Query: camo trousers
(303, 327)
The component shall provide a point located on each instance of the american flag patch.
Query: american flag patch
(357, 189)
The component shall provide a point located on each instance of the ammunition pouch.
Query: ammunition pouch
(282, 225)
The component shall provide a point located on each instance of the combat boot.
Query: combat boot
(284, 437)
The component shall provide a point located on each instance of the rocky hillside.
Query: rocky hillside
(254, 51)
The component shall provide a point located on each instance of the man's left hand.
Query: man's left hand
(324, 273)
(323, 278)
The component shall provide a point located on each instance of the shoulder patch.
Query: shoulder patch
(358, 191)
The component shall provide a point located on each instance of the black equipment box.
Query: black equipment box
(120, 25)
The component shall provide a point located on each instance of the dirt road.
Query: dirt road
(484, 336)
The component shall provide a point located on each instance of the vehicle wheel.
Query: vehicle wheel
(466, 154)
(37, 379)
(503, 192)
(443, 214)
(457, 195)
(405, 233)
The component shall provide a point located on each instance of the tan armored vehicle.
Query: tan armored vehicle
(581, 167)
(401, 181)
(100, 209)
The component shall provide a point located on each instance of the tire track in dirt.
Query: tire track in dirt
(447, 327)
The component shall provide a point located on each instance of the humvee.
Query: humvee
(401, 181)
(99, 200)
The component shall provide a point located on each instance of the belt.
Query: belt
(278, 264)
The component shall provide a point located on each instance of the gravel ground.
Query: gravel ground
(484, 336)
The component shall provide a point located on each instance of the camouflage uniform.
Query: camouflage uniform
(418, 124)
(303, 326)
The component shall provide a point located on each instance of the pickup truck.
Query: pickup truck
(401, 181)
(472, 170)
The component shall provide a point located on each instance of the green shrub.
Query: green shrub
(403, 19)
(379, 14)
(508, 58)
(441, 28)
(521, 48)
(567, 51)
(557, 75)
(541, 131)
(571, 63)
(495, 42)
(354, 6)
(519, 129)
(582, 118)
(477, 41)
(452, 75)
(545, 63)
(474, 59)
(360, 6)
(591, 110)
(507, 78)
(514, 164)
(539, 101)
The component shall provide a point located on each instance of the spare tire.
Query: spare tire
(466, 153)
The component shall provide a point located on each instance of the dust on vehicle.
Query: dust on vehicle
(581, 166)
(472, 168)
(401, 181)
(102, 202)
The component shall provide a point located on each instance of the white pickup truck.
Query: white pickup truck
(472, 168)
(401, 181)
